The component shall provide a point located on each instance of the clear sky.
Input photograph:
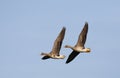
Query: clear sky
(29, 27)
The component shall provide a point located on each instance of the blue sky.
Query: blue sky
(29, 27)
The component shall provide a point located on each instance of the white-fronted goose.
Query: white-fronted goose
(56, 47)
(79, 47)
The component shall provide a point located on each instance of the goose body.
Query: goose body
(55, 53)
(79, 47)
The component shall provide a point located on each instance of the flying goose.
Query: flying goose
(79, 47)
(54, 54)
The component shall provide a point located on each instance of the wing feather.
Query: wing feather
(83, 36)
(58, 42)
(72, 56)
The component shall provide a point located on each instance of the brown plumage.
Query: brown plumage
(55, 53)
(79, 47)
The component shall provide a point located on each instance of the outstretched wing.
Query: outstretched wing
(83, 36)
(72, 56)
(58, 42)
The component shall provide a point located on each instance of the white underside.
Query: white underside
(58, 57)
(81, 50)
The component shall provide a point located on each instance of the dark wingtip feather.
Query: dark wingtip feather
(64, 28)
(45, 57)
(86, 24)
(72, 56)
(67, 62)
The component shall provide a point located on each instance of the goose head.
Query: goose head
(88, 50)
